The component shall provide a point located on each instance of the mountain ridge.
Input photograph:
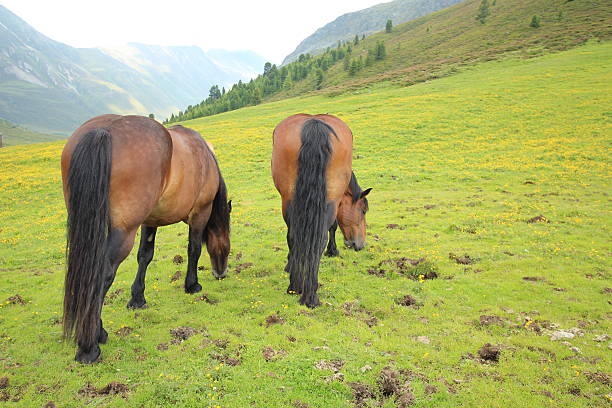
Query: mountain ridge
(366, 21)
(50, 86)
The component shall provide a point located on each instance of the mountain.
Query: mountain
(52, 87)
(366, 21)
(437, 45)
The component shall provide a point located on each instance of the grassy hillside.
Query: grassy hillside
(16, 135)
(458, 165)
(450, 40)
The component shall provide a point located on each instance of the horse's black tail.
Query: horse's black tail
(88, 228)
(307, 214)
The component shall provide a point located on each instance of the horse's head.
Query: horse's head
(218, 238)
(351, 215)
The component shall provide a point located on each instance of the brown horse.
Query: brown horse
(120, 173)
(312, 171)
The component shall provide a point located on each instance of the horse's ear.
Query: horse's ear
(365, 192)
(229, 204)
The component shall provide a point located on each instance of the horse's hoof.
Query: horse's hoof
(103, 336)
(311, 301)
(195, 288)
(329, 253)
(137, 304)
(88, 357)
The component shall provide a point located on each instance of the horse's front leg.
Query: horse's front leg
(193, 255)
(332, 249)
(145, 255)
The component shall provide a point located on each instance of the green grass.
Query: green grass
(448, 161)
(16, 135)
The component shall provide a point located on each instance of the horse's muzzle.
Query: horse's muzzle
(218, 275)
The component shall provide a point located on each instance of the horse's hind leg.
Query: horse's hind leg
(119, 244)
(332, 249)
(193, 255)
(145, 255)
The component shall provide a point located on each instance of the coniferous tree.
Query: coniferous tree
(535, 22)
(483, 11)
(318, 78)
(380, 52)
(353, 68)
(356, 40)
(389, 26)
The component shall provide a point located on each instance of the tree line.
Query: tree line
(276, 79)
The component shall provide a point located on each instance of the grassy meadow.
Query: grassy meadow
(457, 165)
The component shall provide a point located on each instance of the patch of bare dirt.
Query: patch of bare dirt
(111, 388)
(332, 365)
(599, 377)
(409, 301)
(274, 319)
(533, 278)
(491, 320)
(49, 404)
(462, 260)
(176, 276)
(291, 339)
(334, 377)
(539, 218)
(300, 404)
(388, 381)
(395, 226)
(354, 309)
(417, 269)
(270, 354)
(183, 332)
(606, 291)
(242, 266)
(361, 393)
(205, 298)
(110, 298)
(489, 353)
(16, 300)
(430, 389)
(225, 359)
(178, 259)
(124, 331)
(4, 382)
(162, 346)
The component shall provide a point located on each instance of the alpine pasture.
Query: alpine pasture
(499, 177)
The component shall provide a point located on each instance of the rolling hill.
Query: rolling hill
(49, 86)
(365, 22)
(437, 45)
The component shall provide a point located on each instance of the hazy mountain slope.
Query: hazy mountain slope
(366, 21)
(49, 86)
(16, 135)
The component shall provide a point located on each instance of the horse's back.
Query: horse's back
(192, 181)
(141, 155)
(285, 153)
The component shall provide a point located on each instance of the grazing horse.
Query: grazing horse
(120, 173)
(312, 170)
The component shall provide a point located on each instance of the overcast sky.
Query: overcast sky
(271, 28)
